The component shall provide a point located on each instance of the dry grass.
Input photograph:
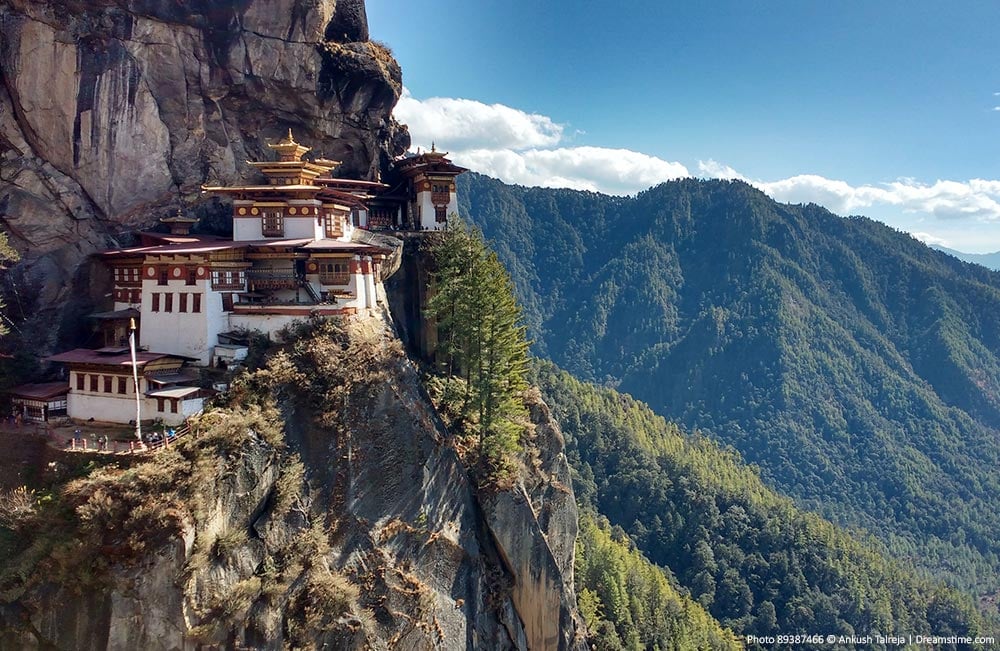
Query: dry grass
(288, 488)
(17, 507)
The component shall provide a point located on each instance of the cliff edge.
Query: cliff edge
(323, 506)
(112, 111)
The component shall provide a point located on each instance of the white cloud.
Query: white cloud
(977, 199)
(613, 171)
(714, 170)
(532, 149)
(930, 240)
(520, 147)
(466, 123)
(838, 196)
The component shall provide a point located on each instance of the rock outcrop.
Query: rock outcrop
(348, 522)
(113, 110)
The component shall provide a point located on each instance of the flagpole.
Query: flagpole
(135, 379)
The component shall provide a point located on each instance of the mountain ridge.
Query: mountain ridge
(825, 349)
(988, 260)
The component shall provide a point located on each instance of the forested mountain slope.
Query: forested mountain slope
(857, 367)
(748, 555)
(988, 260)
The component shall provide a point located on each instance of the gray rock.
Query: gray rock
(112, 110)
(433, 563)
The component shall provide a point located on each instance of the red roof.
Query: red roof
(88, 356)
(337, 245)
(150, 236)
(43, 391)
(332, 182)
(269, 243)
(193, 247)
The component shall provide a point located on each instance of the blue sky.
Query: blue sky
(887, 109)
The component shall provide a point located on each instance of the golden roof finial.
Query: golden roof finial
(434, 153)
(288, 149)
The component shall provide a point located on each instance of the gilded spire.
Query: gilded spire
(288, 149)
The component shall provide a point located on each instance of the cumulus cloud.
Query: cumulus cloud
(978, 199)
(931, 240)
(524, 148)
(466, 123)
(714, 170)
(532, 149)
(599, 169)
(838, 196)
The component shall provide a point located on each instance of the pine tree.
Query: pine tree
(481, 340)
(7, 254)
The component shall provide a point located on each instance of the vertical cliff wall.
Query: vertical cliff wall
(346, 521)
(112, 109)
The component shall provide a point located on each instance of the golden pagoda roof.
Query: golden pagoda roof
(288, 149)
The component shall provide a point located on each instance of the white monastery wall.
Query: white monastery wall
(181, 333)
(111, 408)
(302, 227)
(266, 323)
(247, 229)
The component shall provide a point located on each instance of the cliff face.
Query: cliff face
(347, 520)
(111, 109)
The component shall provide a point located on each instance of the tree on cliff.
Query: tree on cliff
(482, 340)
(7, 254)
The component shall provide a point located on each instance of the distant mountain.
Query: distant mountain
(988, 260)
(855, 366)
(746, 554)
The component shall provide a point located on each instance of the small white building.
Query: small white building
(102, 386)
(39, 402)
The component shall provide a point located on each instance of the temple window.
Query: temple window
(107, 384)
(272, 223)
(227, 280)
(192, 277)
(164, 276)
(93, 383)
(440, 214)
(80, 381)
(441, 193)
(156, 302)
(122, 389)
(173, 405)
(168, 302)
(334, 273)
(135, 296)
(380, 218)
(182, 302)
(196, 302)
(227, 302)
(334, 225)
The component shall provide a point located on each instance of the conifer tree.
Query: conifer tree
(481, 338)
(7, 254)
